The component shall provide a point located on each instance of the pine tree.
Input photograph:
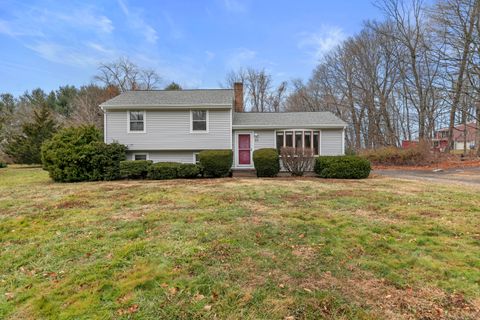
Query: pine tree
(173, 86)
(25, 147)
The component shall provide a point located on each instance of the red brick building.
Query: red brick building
(440, 138)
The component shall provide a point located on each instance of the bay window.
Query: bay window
(298, 139)
(307, 138)
(280, 139)
(302, 138)
(288, 139)
(316, 142)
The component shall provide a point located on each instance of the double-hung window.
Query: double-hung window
(199, 120)
(136, 121)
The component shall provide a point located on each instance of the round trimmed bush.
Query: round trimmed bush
(188, 170)
(79, 154)
(216, 163)
(163, 171)
(266, 162)
(342, 167)
(134, 169)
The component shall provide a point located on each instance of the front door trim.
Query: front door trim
(237, 154)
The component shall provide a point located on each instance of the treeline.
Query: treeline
(33, 117)
(403, 77)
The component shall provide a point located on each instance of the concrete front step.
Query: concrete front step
(244, 173)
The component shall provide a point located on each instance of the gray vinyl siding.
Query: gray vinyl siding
(264, 139)
(170, 130)
(331, 142)
(166, 156)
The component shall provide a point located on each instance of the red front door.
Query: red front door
(244, 149)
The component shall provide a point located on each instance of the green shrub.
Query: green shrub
(163, 171)
(216, 163)
(134, 169)
(342, 167)
(266, 162)
(188, 170)
(3, 165)
(79, 154)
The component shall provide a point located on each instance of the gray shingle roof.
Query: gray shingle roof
(284, 120)
(163, 98)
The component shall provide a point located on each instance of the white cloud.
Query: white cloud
(210, 55)
(175, 31)
(317, 44)
(136, 21)
(15, 29)
(52, 34)
(240, 57)
(235, 6)
(55, 52)
(85, 18)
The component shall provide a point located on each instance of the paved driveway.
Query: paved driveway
(470, 176)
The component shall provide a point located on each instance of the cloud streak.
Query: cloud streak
(138, 23)
(239, 57)
(319, 43)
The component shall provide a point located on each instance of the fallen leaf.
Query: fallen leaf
(207, 307)
(198, 297)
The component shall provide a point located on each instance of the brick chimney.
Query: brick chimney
(238, 97)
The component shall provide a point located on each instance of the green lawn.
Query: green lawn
(237, 249)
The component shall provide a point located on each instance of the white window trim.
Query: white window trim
(140, 154)
(144, 121)
(207, 120)
(195, 160)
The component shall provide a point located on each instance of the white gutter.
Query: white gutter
(310, 126)
(167, 106)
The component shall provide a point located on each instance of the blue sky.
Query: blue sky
(195, 43)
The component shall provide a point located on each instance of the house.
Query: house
(440, 138)
(175, 126)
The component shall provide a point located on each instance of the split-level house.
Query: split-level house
(161, 125)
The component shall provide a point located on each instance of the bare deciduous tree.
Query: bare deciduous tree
(260, 93)
(297, 160)
(126, 75)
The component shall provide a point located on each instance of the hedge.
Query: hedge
(188, 170)
(266, 162)
(134, 169)
(3, 165)
(79, 154)
(163, 171)
(342, 167)
(415, 155)
(216, 163)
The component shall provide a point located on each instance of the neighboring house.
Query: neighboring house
(177, 125)
(440, 138)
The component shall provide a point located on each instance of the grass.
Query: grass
(237, 249)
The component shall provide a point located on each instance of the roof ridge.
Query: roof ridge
(163, 90)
